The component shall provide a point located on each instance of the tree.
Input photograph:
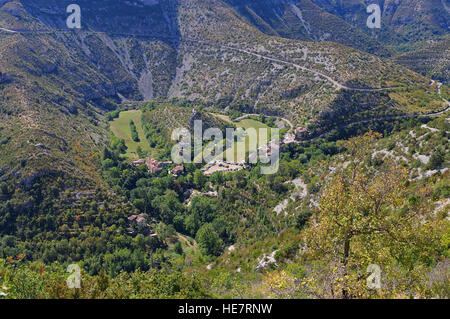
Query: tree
(302, 218)
(203, 208)
(199, 179)
(134, 133)
(139, 204)
(168, 206)
(365, 218)
(106, 153)
(192, 224)
(118, 144)
(107, 164)
(165, 231)
(278, 185)
(141, 152)
(178, 248)
(208, 240)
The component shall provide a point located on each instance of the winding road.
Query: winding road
(317, 73)
(281, 118)
(272, 59)
(7, 30)
(383, 118)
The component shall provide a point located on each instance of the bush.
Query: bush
(107, 164)
(437, 159)
(302, 218)
(313, 188)
(441, 190)
(112, 115)
(199, 179)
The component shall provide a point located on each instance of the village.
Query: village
(155, 167)
(222, 166)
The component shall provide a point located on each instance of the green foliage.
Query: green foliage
(118, 145)
(107, 164)
(442, 190)
(35, 280)
(437, 159)
(63, 201)
(134, 133)
(113, 115)
(302, 218)
(208, 240)
(199, 179)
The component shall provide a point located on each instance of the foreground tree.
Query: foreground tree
(365, 218)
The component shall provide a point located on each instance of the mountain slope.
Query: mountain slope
(402, 20)
(303, 20)
(430, 59)
(201, 51)
(405, 24)
(207, 53)
(69, 194)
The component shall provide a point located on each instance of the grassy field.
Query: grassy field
(121, 128)
(245, 124)
(248, 123)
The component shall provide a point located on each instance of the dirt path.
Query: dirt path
(187, 241)
(243, 117)
(288, 122)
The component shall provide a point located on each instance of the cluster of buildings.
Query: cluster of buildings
(289, 138)
(177, 170)
(264, 149)
(139, 224)
(156, 167)
(220, 166)
(139, 220)
(301, 132)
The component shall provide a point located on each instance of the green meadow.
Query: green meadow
(121, 128)
(245, 124)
